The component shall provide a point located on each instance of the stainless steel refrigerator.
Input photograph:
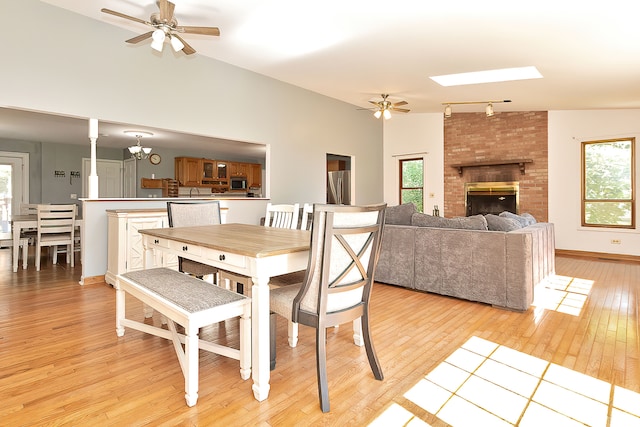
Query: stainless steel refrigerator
(339, 188)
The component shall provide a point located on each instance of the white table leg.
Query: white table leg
(16, 242)
(260, 349)
(120, 309)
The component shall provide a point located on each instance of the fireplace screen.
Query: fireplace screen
(491, 198)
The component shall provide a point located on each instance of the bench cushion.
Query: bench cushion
(171, 284)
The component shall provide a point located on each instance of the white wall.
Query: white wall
(567, 129)
(68, 64)
(425, 132)
(411, 136)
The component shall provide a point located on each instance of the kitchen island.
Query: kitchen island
(245, 210)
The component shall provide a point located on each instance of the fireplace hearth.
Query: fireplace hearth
(483, 198)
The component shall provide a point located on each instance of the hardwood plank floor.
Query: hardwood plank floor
(61, 362)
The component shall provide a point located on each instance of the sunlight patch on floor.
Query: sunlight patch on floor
(563, 294)
(486, 384)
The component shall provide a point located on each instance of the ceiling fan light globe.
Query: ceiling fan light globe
(377, 114)
(158, 37)
(176, 44)
(386, 114)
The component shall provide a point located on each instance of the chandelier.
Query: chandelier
(137, 151)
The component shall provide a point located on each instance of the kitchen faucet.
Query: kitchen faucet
(194, 188)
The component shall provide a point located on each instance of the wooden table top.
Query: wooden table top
(244, 239)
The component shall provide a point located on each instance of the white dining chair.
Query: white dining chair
(282, 216)
(6, 240)
(187, 214)
(56, 226)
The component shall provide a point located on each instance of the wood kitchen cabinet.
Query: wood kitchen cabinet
(254, 177)
(124, 242)
(189, 171)
(238, 168)
(198, 172)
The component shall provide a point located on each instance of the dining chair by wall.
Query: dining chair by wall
(188, 214)
(277, 216)
(282, 216)
(345, 244)
(56, 227)
(6, 240)
(307, 216)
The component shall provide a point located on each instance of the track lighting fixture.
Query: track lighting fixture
(488, 109)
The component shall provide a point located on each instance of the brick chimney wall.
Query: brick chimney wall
(474, 137)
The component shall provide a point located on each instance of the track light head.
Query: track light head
(489, 109)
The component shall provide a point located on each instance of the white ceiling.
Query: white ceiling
(355, 50)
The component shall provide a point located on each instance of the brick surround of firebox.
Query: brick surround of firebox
(474, 137)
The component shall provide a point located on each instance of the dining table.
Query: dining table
(251, 250)
(25, 222)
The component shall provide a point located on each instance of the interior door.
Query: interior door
(129, 185)
(109, 177)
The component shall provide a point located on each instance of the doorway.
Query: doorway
(339, 180)
(14, 186)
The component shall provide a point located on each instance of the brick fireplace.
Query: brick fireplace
(507, 147)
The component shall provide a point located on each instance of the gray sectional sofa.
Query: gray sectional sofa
(467, 257)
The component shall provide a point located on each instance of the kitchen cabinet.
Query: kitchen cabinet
(188, 171)
(254, 177)
(238, 168)
(124, 242)
(215, 174)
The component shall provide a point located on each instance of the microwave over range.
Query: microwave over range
(238, 183)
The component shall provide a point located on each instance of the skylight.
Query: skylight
(488, 76)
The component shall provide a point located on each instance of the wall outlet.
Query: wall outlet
(74, 196)
(616, 241)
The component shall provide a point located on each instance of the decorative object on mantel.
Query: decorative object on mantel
(137, 151)
(165, 26)
(384, 107)
(488, 109)
(520, 164)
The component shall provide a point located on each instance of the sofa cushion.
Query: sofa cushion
(475, 222)
(529, 217)
(400, 214)
(499, 223)
(522, 220)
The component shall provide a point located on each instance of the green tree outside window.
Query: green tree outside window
(608, 194)
(412, 182)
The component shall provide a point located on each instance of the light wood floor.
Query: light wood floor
(61, 362)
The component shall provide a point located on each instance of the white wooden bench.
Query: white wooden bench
(193, 304)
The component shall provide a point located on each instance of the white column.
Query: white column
(93, 175)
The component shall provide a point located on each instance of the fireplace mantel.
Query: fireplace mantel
(520, 164)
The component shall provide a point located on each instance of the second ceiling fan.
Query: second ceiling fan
(384, 107)
(165, 26)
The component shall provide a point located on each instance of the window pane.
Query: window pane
(412, 173)
(412, 196)
(608, 170)
(608, 213)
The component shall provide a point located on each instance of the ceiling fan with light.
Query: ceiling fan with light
(384, 107)
(166, 26)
